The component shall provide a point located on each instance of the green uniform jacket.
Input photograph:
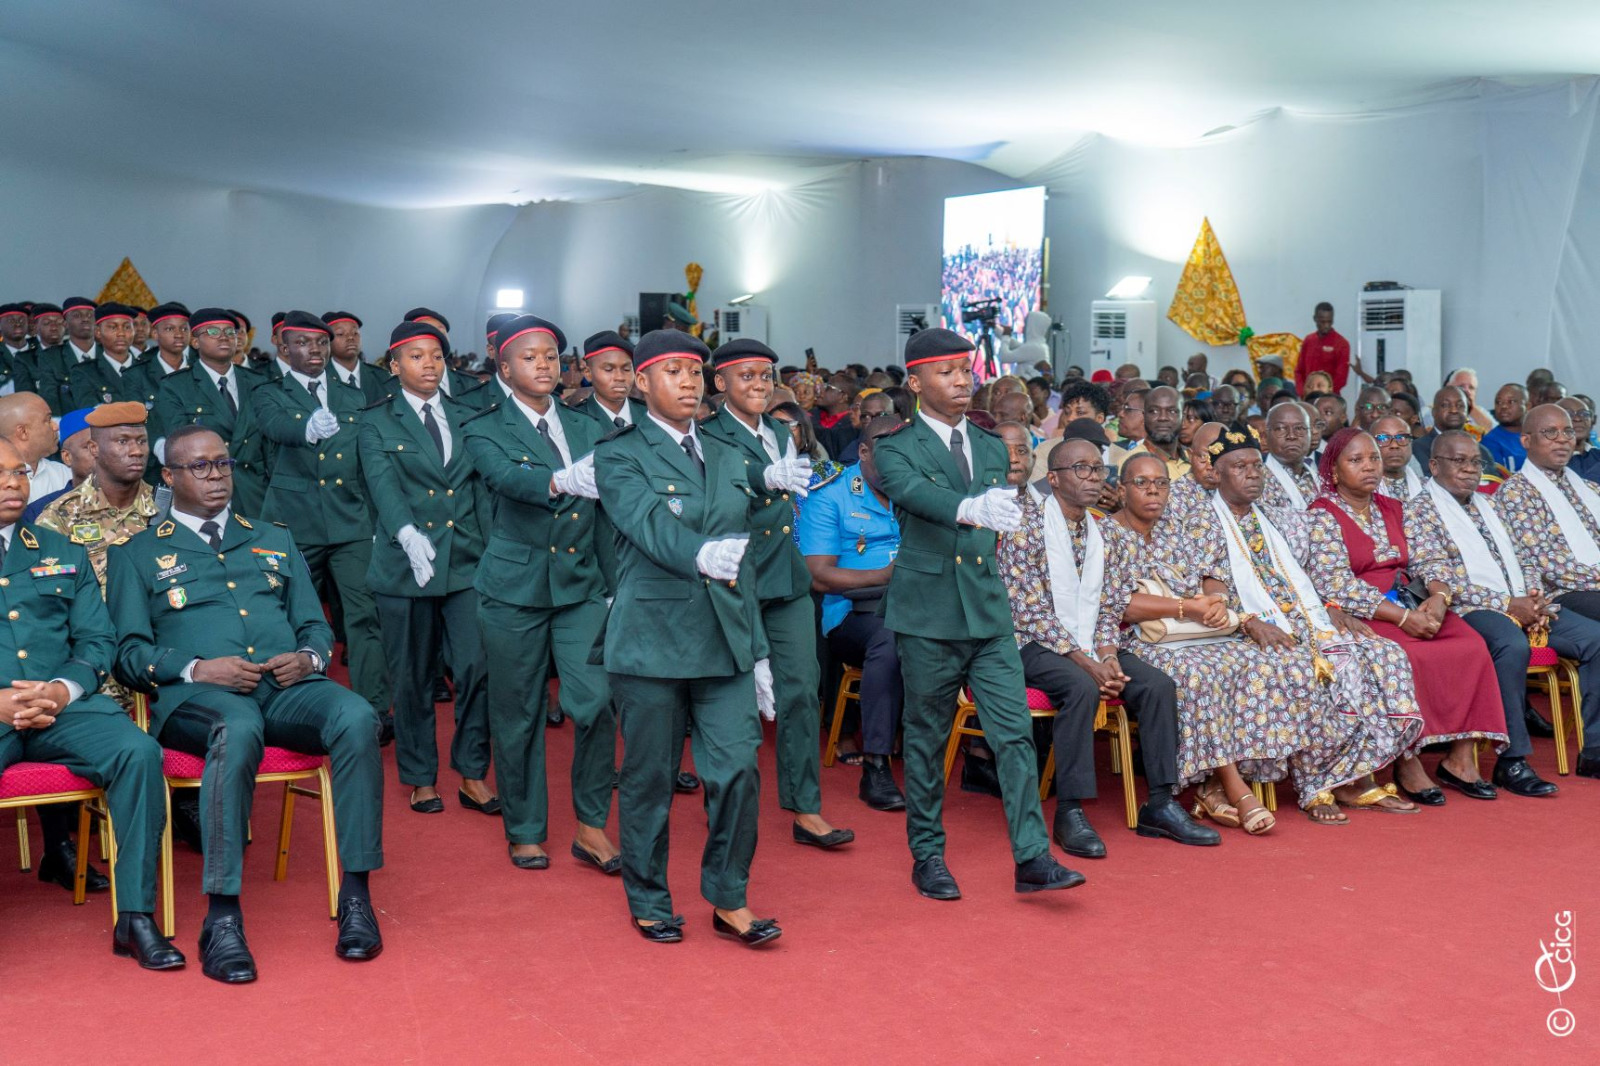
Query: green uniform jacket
(374, 379)
(668, 619)
(175, 600)
(591, 407)
(541, 550)
(409, 485)
(315, 489)
(781, 572)
(605, 537)
(95, 382)
(19, 370)
(188, 396)
(50, 367)
(56, 622)
(921, 477)
(464, 387)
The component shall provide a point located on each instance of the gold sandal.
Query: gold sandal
(1372, 800)
(1211, 802)
(1324, 799)
(1256, 820)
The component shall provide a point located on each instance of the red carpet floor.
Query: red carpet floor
(1393, 939)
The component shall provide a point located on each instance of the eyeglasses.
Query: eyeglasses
(785, 422)
(1392, 438)
(216, 331)
(1472, 462)
(1142, 482)
(1086, 471)
(1552, 433)
(1372, 407)
(203, 468)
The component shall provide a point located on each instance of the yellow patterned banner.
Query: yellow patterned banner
(1285, 345)
(1207, 306)
(127, 287)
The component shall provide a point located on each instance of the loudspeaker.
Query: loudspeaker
(653, 310)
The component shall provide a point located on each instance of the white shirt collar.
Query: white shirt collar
(6, 533)
(945, 431)
(416, 402)
(321, 395)
(498, 380)
(552, 421)
(83, 355)
(353, 376)
(212, 374)
(677, 434)
(626, 414)
(194, 522)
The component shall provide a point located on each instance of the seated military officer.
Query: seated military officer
(217, 617)
(57, 643)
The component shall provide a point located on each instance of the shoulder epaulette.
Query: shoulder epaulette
(902, 427)
(619, 431)
(281, 525)
(242, 520)
(829, 478)
(491, 409)
(980, 429)
(375, 404)
(28, 539)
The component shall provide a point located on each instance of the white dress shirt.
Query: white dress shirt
(945, 431)
(233, 381)
(81, 355)
(762, 432)
(626, 414)
(352, 377)
(677, 435)
(433, 404)
(46, 476)
(321, 395)
(551, 418)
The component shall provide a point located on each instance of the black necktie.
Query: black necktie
(960, 457)
(351, 380)
(213, 534)
(544, 431)
(693, 453)
(2, 551)
(311, 387)
(430, 424)
(619, 423)
(227, 396)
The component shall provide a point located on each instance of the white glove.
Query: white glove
(788, 475)
(766, 702)
(578, 479)
(321, 425)
(418, 549)
(719, 559)
(996, 509)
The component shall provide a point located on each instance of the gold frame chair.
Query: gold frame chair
(849, 689)
(1552, 679)
(92, 802)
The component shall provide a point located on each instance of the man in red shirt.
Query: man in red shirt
(1323, 350)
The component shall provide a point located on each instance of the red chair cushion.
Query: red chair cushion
(273, 761)
(39, 779)
(1038, 701)
(1545, 656)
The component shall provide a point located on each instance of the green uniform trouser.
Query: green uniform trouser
(118, 756)
(518, 643)
(345, 566)
(792, 631)
(726, 735)
(417, 630)
(314, 717)
(933, 671)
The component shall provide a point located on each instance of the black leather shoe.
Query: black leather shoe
(685, 782)
(1428, 797)
(528, 862)
(59, 864)
(978, 775)
(762, 931)
(435, 805)
(224, 954)
(1164, 818)
(878, 789)
(1588, 765)
(385, 730)
(137, 936)
(611, 866)
(441, 691)
(488, 806)
(1478, 790)
(1043, 874)
(831, 839)
(1075, 835)
(359, 939)
(1538, 724)
(186, 818)
(932, 878)
(554, 719)
(1518, 778)
(668, 931)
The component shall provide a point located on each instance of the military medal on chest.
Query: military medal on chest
(177, 596)
(675, 505)
(861, 543)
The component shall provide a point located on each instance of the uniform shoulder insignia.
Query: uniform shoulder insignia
(829, 478)
(242, 520)
(706, 421)
(901, 428)
(281, 525)
(381, 402)
(479, 414)
(620, 431)
(980, 429)
(26, 536)
(165, 529)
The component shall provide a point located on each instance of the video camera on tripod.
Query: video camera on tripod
(984, 311)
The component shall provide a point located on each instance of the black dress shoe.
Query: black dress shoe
(833, 838)
(1164, 818)
(932, 878)
(555, 717)
(978, 775)
(611, 866)
(441, 691)
(488, 806)
(1075, 835)
(685, 782)
(1588, 765)
(1478, 790)
(385, 730)
(1538, 724)
(359, 939)
(667, 931)
(1043, 874)
(528, 862)
(1518, 778)
(1428, 797)
(878, 789)
(434, 805)
(136, 936)
(59, 864)
(762, 931)
(186, 818)
(224, 954)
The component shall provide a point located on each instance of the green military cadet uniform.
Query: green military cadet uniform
(316, 490)
(951, 616)
(50, 371)
(372, 379)
(783, 585)
(605, 537)
(56, 628)
(597, 411)
(175, 598)
(464, 387)
(100, 380)
(540, 593)
(679, 649)
(192, 396)
(410, 484)
(17, 370)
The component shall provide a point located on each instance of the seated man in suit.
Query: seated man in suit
(217, 617)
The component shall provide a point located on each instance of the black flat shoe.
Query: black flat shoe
(137, 936)
(359, 939)
(1075, 835)
(528, 862)
(878, 789)
(611, 866)
(978, 775)
(1518, 778)
(224, 954)
(1428, 797)
(385, 730)
(932, 878)
(762, 931)
(685, 782)
(831, 839)
(1588, 765)
(488, 806)
(667, 931)
(554, 719)
(1478, 790)
(1167, 820)
(59, 865)
(427, 806)
(186, 818)
(1043, 874)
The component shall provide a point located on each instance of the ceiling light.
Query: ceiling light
(740, 301)
(511, 299)
(1129, 287)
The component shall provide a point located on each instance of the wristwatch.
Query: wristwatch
(317, 663)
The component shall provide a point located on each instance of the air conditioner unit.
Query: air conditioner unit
(745, 321)
(1122, 331)
(908, 318)
(1400, 329)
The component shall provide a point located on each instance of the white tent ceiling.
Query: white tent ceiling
(414, 102)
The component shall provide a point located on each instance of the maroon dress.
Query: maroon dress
(1456, 685)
